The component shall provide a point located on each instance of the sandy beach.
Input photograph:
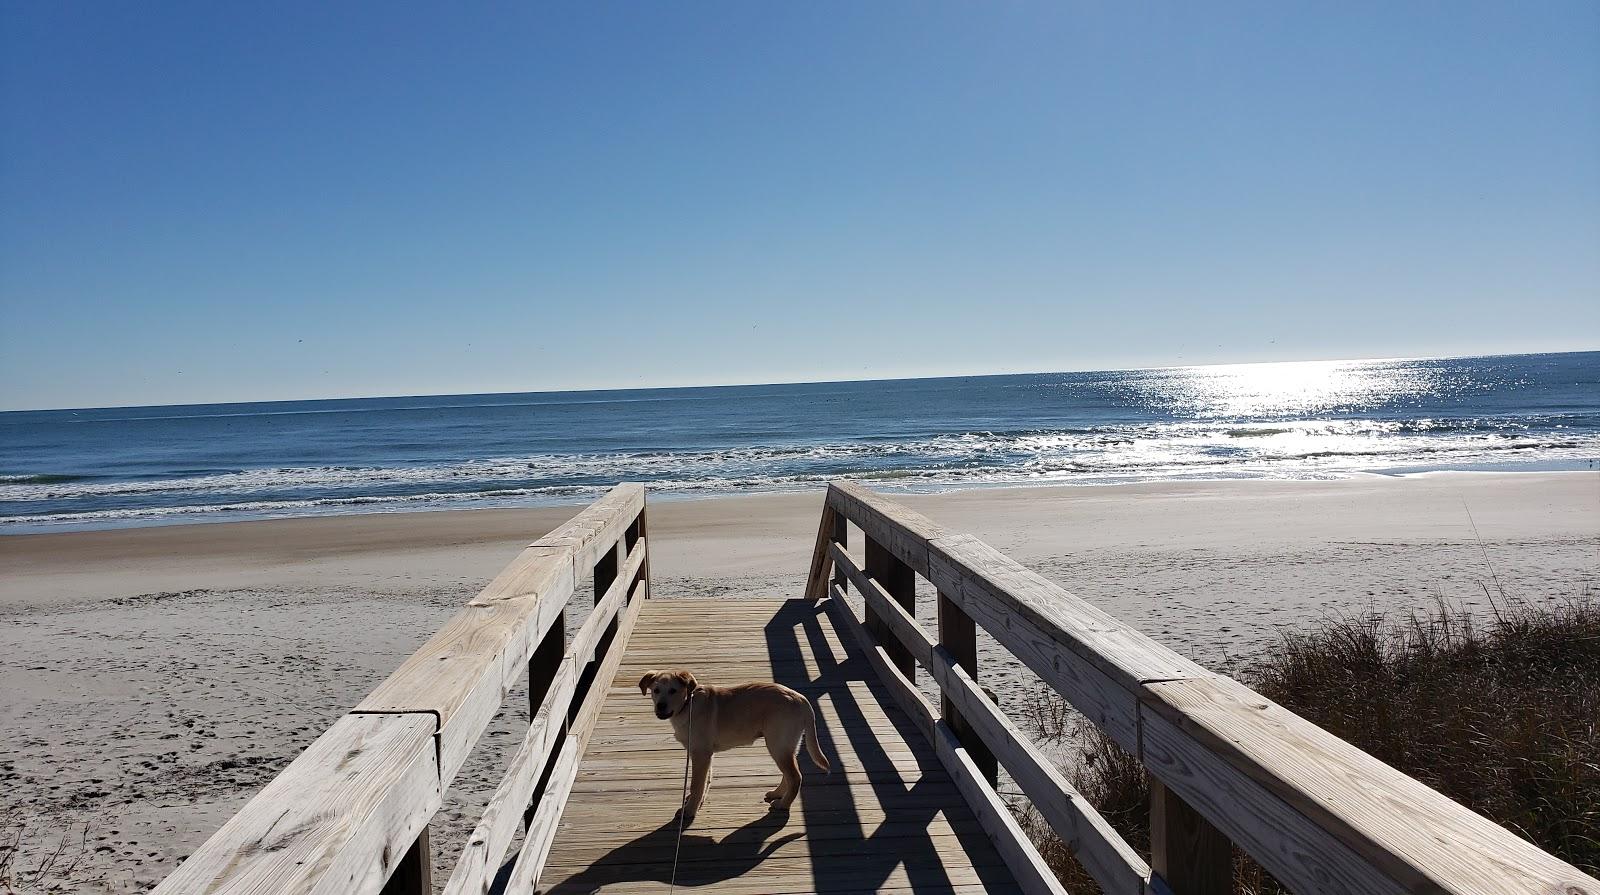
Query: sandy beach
(155, 678)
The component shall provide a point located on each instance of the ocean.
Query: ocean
(102, 468)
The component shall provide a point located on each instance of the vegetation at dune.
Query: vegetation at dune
(1501, 713)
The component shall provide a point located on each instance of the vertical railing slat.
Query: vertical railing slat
(959, 635)
(899, 581)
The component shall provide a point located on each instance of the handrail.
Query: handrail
(1225, 762)
(350, 814)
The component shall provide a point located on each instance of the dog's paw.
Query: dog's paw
(772, 796)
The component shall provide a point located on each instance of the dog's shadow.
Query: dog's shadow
(702, 859)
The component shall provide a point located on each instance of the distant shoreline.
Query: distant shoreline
(888, 485)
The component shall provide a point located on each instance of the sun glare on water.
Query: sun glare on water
(1298, 388)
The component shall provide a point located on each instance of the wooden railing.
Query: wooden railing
(351, 813)
(1226, 765)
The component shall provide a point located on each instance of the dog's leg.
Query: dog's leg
(700, 775)
(782, 750)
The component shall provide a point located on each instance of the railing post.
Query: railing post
(542, 668)
(605, 572)
(899, 581)
(634, 533)
(959, 636)
(1193, 856)
(841, 535)
(414, 874)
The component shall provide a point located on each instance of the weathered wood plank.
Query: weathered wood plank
(414, 874)
(542, 828)
(905, 694)
(480, 858)
(959, 635)
(1105, 854)
(899, 581)
(583, 722)
(1318, 812)
(337, 820)
(597, 527)
(460, 674)
(1190, 855)
(901, 531)
(606, 607)
(817, 577)
(1024, 861)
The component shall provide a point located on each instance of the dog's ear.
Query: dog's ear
(646, 681)
(689, 683)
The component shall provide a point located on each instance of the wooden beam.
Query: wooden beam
(1033, 876)
(817, 577)
(1318, 813)
(841, 536)
(583, 720)
(480, 858)
(1103, 852)
(959, 635)
(901, 531)
(598, 526)
(338, 819)
(901, 690)
(1191, 855)
(414, 874)
(542, 829)
(899, 581)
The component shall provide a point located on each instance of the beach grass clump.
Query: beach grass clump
(1501, 712)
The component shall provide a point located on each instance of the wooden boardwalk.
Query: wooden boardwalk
(888, 818)
(910, 805)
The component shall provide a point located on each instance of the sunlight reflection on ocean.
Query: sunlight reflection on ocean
(122, 466)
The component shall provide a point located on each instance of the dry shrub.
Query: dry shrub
(1503, 716)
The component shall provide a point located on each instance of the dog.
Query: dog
(707, 720)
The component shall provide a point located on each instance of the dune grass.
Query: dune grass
(1500, 712)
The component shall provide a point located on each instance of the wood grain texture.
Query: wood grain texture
(901, 531)
(606, 607)
(338, 819)
(414, 874)
(1317, 812)
(1191, 855)
(904, 693)
(1323, 814)
(542, 827)
(597, 527)
(485, 849)
(889, 804)
(817, 577)
(1032, 874)
(462, 673)
(1106, 855)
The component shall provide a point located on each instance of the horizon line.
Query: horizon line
(717, 385)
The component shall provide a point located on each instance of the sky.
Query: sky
(228, 202)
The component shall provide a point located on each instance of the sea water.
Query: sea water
(149, 465)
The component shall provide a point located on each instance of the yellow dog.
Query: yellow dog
(708, 720)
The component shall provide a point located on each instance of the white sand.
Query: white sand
(155, 678)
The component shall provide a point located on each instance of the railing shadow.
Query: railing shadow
(900, 839)
(702, 860)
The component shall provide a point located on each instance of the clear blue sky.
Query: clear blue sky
(275, 200)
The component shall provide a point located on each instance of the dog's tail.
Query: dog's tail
(811, 739)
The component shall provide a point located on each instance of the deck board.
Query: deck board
(887, 818)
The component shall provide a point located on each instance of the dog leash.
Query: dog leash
(677, 846)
